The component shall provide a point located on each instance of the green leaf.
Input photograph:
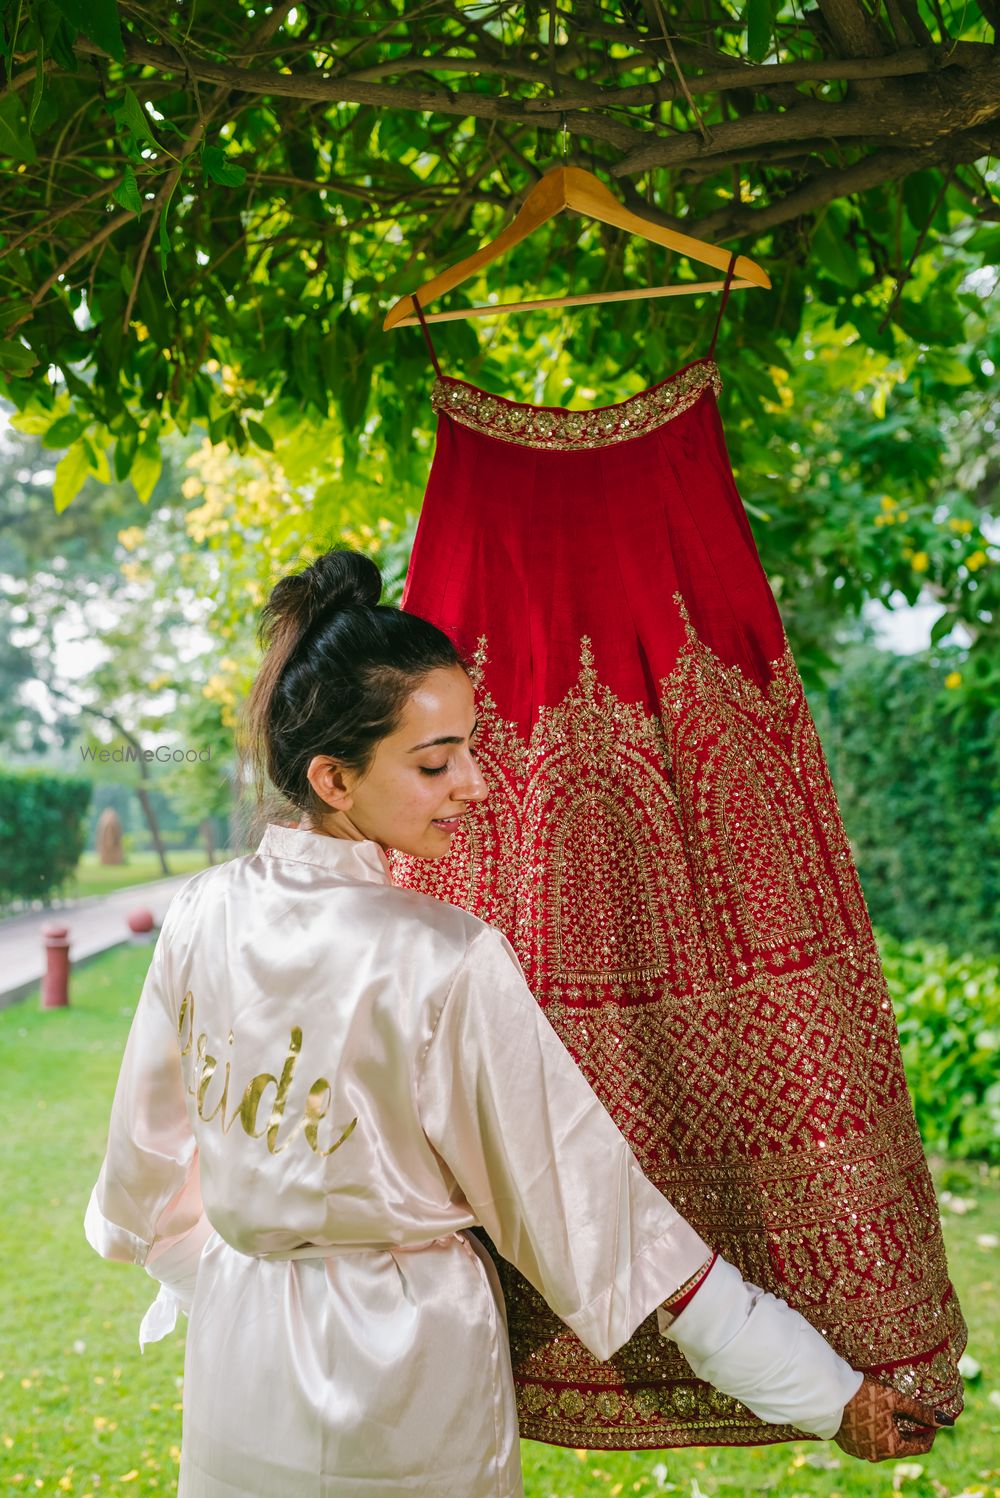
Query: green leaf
(98, 20)
(131, 115)
(833, 252)
(38, 86)
(99, 466)
(920, 189)
(237, 433)
(759, 21)
(125, 449)
(947, 368)
(163, 241)
(127, 193)
(12, 310)
(985, 242)
(146, 466)
(15, 359)
(71, 473)
(15, 137)
(216, 166)
(260, 435)
(63, 432)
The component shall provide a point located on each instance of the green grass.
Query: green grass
(94, 878)
(81, 1411)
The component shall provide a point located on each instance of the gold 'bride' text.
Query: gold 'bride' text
(317, 1105)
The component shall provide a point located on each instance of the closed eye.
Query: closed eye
(440, 769)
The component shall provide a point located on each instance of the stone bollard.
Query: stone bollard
(55, 982)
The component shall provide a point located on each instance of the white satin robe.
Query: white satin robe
(344, 1076)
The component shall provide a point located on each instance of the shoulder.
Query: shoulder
(189, 893)
(449, 924)
(473, 954)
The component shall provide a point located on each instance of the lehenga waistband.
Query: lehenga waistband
(571, 431)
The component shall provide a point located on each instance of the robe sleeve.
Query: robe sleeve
(146, 1206)
(540, 1160)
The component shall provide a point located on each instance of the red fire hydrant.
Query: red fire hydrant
(55, 983)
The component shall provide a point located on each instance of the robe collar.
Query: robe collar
(363, 862)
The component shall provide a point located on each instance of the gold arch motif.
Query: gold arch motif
(747, 1051)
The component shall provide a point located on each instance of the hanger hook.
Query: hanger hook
(562, 117)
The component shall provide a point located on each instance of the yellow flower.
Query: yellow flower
(953, 679)
(976, 560)
(131, 537)
(962, 527)
(920, 562)
(191, 487)
(903, 515)
(888, 503)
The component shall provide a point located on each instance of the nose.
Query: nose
(475, 788)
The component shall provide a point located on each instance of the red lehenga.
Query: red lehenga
(663, 848)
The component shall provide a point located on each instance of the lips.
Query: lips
(450, 824)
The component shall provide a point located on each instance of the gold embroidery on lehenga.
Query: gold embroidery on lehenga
(680, 890)
(572, 431)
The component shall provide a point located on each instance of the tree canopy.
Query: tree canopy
(206, 212)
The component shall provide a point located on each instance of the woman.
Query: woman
(329, 1080)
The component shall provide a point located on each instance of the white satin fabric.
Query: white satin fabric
(327, 1081)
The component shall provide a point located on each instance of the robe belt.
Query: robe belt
(326, 1250)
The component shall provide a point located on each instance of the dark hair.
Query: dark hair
(338, 669)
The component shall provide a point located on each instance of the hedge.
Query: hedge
(42, 829)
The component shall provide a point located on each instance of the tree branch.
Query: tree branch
(83, 248)
(53, 217)
(741, 222)
(759, 77)
(958, 100)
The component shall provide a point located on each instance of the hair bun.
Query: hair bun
(340, 578)
(335, 580)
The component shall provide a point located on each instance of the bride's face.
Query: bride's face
(422, 780)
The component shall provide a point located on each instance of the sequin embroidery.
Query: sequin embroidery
(571, 431)
(680, 891)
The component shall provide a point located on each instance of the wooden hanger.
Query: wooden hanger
(573, 187)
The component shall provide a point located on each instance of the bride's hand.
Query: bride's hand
(869, 1429)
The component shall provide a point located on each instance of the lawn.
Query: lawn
(95, 878)
(82, 1412)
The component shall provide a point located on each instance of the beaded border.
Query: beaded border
(573, 431)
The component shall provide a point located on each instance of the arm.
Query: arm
(146, 1206)
(540, 1160)
(557, 1187)
(752, 1345)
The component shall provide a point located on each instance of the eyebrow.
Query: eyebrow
(429, 743)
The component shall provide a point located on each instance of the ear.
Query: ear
(330, 781)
